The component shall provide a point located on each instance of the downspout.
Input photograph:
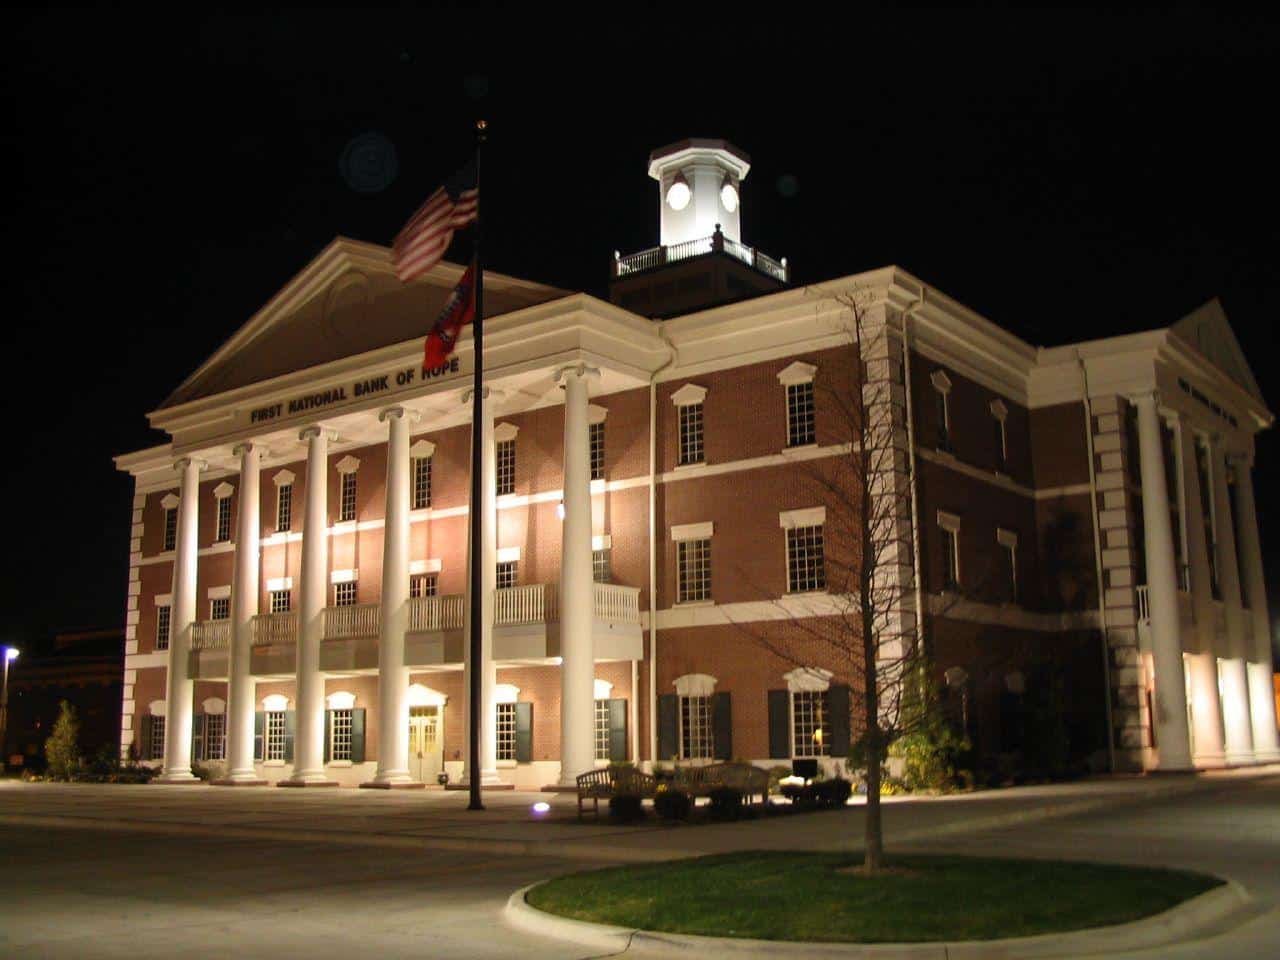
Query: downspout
(1097, 560)
(653, 550)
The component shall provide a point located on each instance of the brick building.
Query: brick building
(1084, 552)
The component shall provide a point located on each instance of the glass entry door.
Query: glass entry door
(426, 758)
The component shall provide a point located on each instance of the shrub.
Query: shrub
(832, 793)
(61, 750)
(726, 803)
(625, 807)
(775, 776)
(930, 758)
(672, 804)
(800, 794)
(201, 772)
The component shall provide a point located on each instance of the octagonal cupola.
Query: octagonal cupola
(699, 189)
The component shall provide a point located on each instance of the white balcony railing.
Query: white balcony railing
(1144, 604)
(533, 603)
(617, 604)
(659, 256)
(273, 628)
(355, 620)
(211, 635)
(436, 613)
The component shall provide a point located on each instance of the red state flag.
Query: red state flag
(458, 312)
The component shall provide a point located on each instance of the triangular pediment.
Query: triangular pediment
(346, 302)
(1207, 330)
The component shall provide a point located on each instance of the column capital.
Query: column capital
(183, 462)
(316, 430)
(488, 393)
(246, 446)
(581, 370)
(413, 416)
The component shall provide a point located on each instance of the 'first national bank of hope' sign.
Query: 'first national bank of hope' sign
(350, 391)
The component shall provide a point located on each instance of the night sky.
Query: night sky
(1067, 175)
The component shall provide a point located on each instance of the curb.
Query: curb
(1189, 920)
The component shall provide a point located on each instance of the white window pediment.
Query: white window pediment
(1006, 538)
(808, 517)
(170, 501)
(157, 708)
(214, 705)
(279, 583)
(505, 693)
(797, 372)
(603, 689)
(692, 531)
(504, 432)
(220, 593)
(275, 703)
(347, 464)
(422, 449)
(595, 413)
(695, 685)
(999, 410)
(430, 565)
(420, 696)
(509, 555)
(602, 541)
(223, 490)
(284, 478)
(690, 393)
(164, 599)
(344, 576)
(341, 700)
(941, 382)
(948, 521)
(808, 679)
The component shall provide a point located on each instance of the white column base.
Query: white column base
(392, 780)
(308, 780)
(177, 776)
(241, 778)
(488, 778)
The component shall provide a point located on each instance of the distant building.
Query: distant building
(1084, 526)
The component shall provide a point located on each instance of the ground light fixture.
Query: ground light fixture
(540, 808)
(678, 193)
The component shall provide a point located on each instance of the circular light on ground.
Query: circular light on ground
(541, 807)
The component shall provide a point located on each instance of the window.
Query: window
(344, 594)
(339, 734)
(157, 737)
(347, 501)
(506, 731)
(602, 729)
(171, 528)
(696, 742)
(690, 434)
(693, 570)
(421, 483)
(506, 464)
(220, 608)
(805, 567)
(942, 391)
(600, 565)
(800, 419)
(1000, 414)
(281, 601)
(422, 585)
(284, 507)
(224, 520)
(1007, 540)
(275, 735)
(949, 539)
(215, 736)
(507, 574)
(162, 628)
(596, 438)
(811, 737)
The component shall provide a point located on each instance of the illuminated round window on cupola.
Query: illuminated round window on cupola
(729, 196)
(678, 194)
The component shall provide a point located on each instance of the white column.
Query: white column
(1206, 711)
(488, 558)
(1262, 702)
(177, 731)
(308, 744)
(577, 651)
(1170, 720)
(1235, 683)
(393, 675)
(244, 607)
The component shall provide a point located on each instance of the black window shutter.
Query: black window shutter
(197, 736)
(328, 726)
(722, 725)
(290, 727)
(144, 730)
(779, 724)
(838, 719)
(357, 735)
(668, 727)
(259, 735)
(617, 731)
(524, 732)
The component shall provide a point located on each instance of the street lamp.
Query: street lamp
(10, 653)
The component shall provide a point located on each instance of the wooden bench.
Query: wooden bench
(750, 781)
(597, 785)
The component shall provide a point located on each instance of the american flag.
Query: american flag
(420, 245)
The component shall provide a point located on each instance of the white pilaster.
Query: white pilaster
(1170, 720)
(1262, 702)
(488, 558)
(393, 675)
(308, 745)
(577, 652)
(180, 690)
(1235, 684)
(244, 607)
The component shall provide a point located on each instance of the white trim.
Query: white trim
(341, 700)
(808, 680)
(170, 501)
(806, 517)
(951, 607)
(688, 395)
(344, 576)
(948, 521)
(422, 450)
(695, 685)
(158, 708)
(430, 565)
(214, 705)
(164, 600)
(1006, 538)
(276, 584)
(421, 696)
(223, 490)
(941, 382)
(603, 689)
(505, 693)
(602, 541)
(347, 464)
(284, 478)
(504, 432)
(692, 531)
(596, 413)
(509, 555)
(220, 593)
(275, 703)
(797, 372)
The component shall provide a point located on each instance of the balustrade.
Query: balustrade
(353, 620)
(211, 635)
(272, 628)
